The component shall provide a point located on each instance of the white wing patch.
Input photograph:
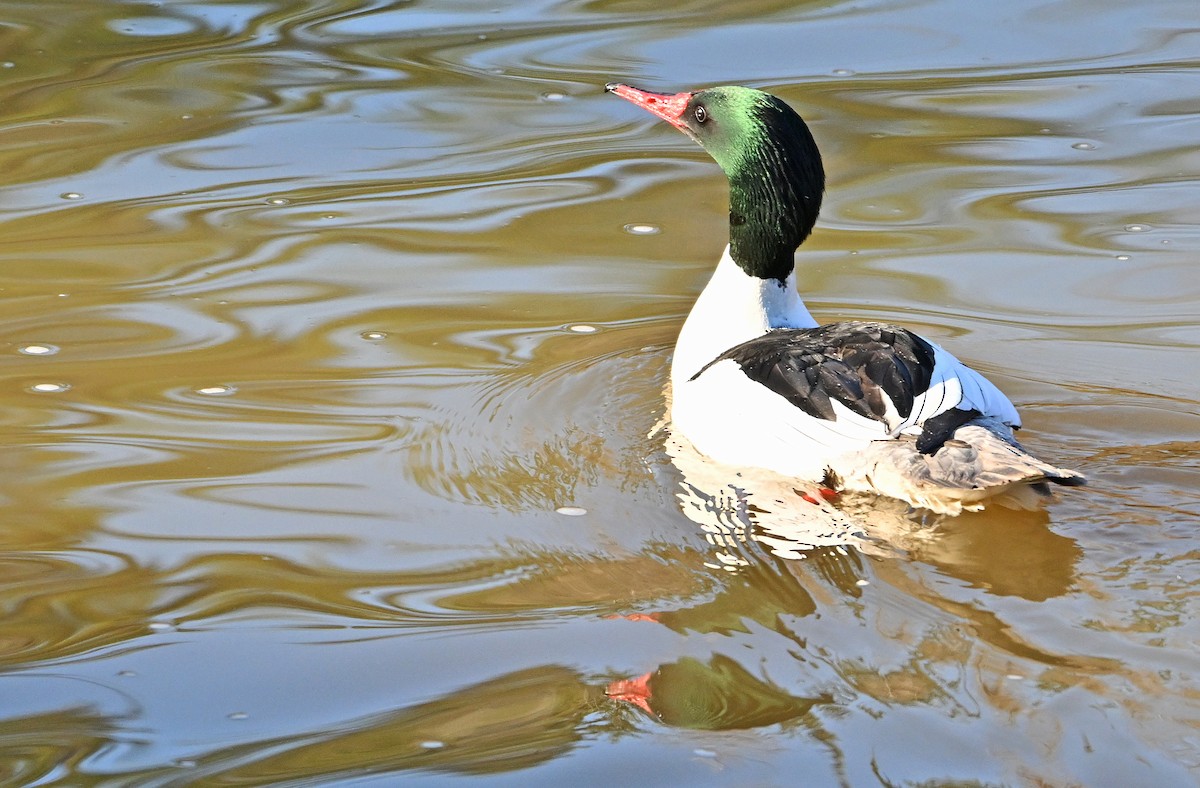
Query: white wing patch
(955, 385)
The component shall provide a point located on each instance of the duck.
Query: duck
(853, 406)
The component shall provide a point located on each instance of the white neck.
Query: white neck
(733, 308)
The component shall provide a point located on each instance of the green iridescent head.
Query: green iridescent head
(776, 179)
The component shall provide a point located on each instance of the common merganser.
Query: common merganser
(856, 405)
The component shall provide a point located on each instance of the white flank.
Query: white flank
(737, 421)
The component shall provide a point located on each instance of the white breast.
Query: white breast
(733, 308)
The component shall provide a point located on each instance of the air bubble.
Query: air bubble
(373, 336)
(49, 388)
(553, 95)
(216, 391)
(1122, 257)
(238, 715)
(278, 201)
(582, 328)
(642, 229)
(1137, 228)
(71, 196)
(38, 350)
(843, 72)
(432, 744)
(571, 511)
(1083, 146)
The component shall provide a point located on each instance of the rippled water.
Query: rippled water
(333, 359)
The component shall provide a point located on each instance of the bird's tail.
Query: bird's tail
(981, 463)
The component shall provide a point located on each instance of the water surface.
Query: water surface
(332, 377)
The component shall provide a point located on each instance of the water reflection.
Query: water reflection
(1016, 554)
(39, 747)
(511, 722)
(311, 271)
(814, 608)
(717, 695)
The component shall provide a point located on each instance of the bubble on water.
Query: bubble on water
(1137, 228)
(185, 117)
(126, 673)
(185, 763)
(49, 388)
(8, 64)
(843, 72)
(432, 744)
(1122, 257)
(71, 196)
(216, 391)
(145, 26)
(703, 753)
(571, 511)
(642, 229)
(373, 336)
(1083, 146)
(582, 328)
(862, 582)
(278, 201)
(38, 350)
(161, 626)
(238, 715)
(554, 95)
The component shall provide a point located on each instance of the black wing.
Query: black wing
(854, 363)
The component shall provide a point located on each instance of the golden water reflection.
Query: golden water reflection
(287, 503)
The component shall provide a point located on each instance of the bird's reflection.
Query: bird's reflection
(1009, 551)
(718, 694)
(786, 592)
(786, 517)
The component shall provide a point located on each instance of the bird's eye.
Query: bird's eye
(701, 114)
